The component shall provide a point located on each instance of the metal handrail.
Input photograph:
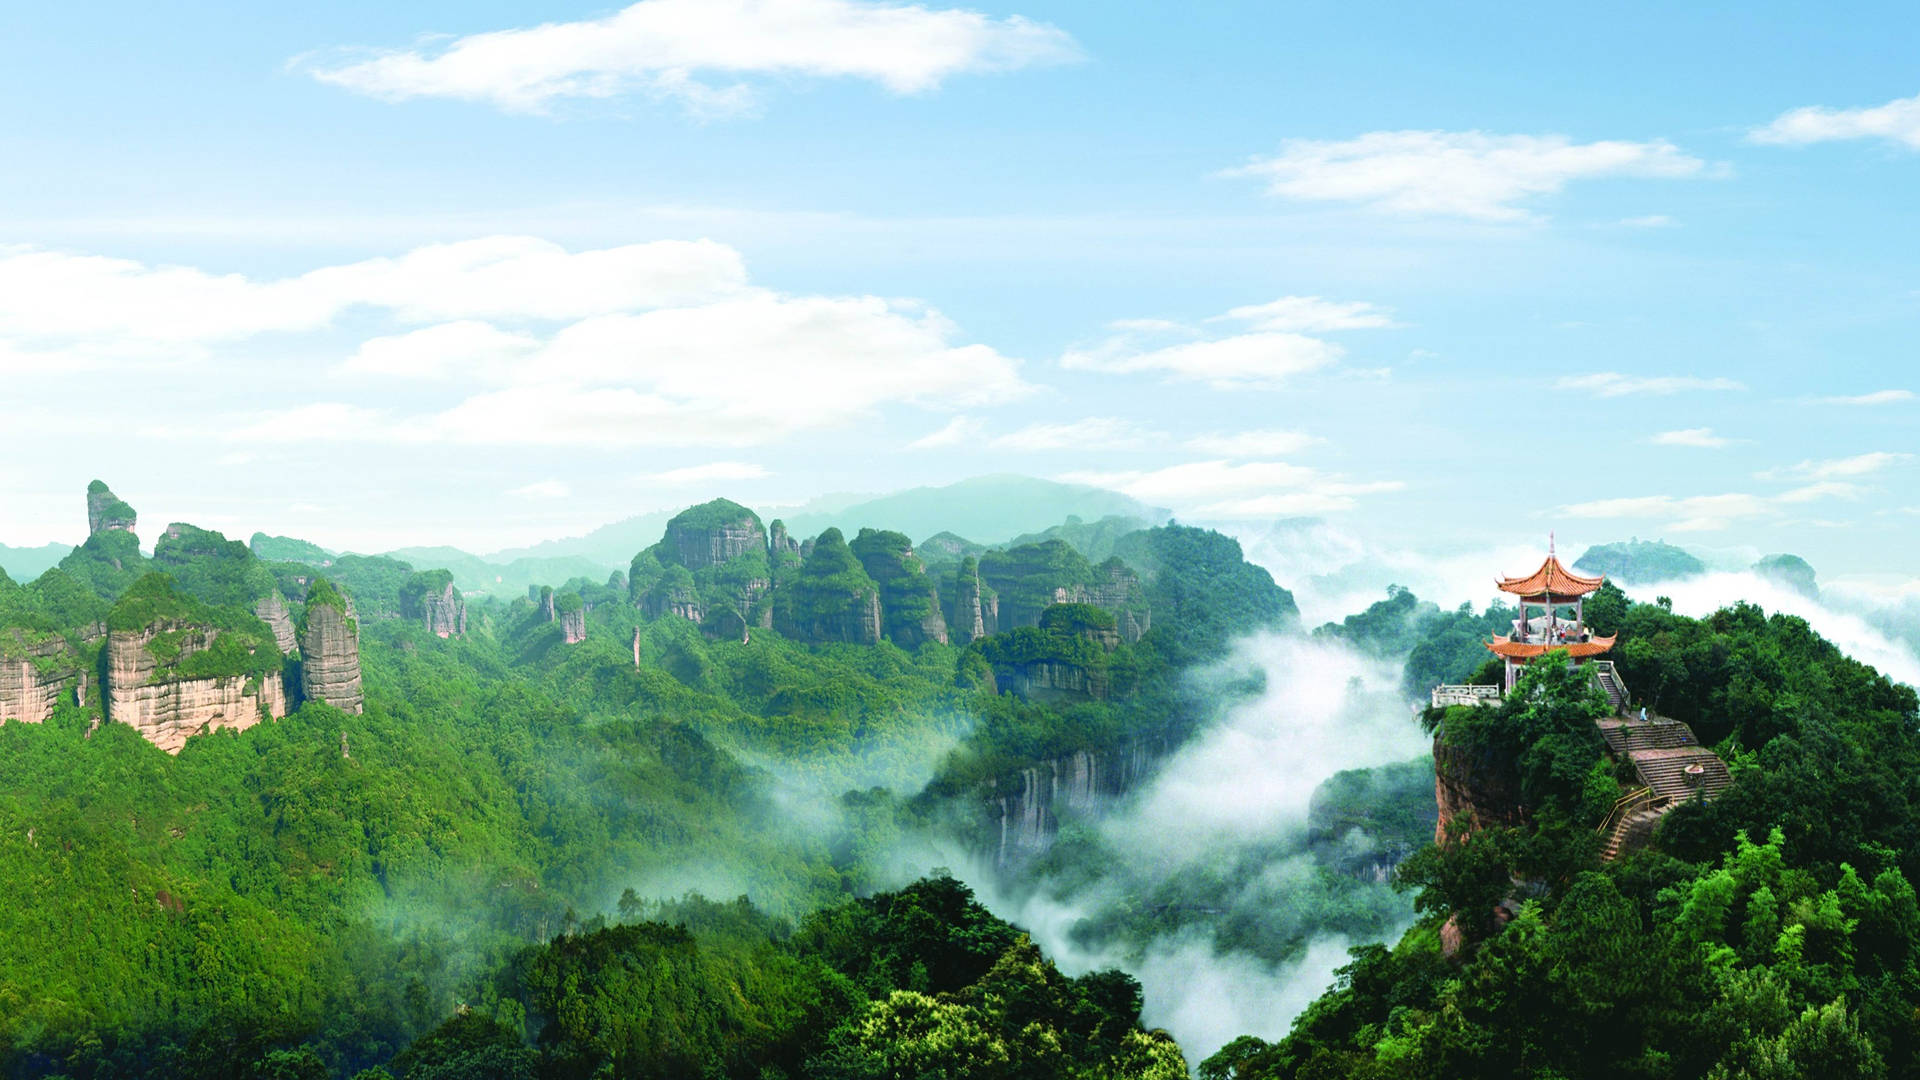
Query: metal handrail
(1623, 806)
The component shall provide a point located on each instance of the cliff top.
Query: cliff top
(714, 514)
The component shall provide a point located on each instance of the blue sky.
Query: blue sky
(1439, 276)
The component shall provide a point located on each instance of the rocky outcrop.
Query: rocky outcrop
(330, 651)
(272, 610)
(1024, 806)
(779, 542)
(909, 607)
(571, 612)
(105, 510)
(153, 696)
(1116, 588)
(1032, 577)
(431, 599)
(1466, 796)
(675, 594)
(966, 615)
(1049, 681)
(831, 598)
(34, 675)
(712, 534)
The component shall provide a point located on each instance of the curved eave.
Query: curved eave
(1521, 650)
(1552, 579)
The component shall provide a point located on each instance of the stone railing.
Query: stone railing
(1444, 696)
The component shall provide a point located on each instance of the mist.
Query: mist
(1225, 818)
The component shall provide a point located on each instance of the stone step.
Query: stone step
(1625, 737)
(1665, 771)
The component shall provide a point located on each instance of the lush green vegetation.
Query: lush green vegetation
(1439, 646)
(1637, 562)
(1773, 932)
(288, 549)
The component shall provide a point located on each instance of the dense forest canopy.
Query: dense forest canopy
(674, 843)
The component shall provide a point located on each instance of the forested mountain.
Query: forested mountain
(411, 830)
(325, 816)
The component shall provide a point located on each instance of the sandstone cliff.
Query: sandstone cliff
(1064, 659)
(105, 510)
(176, 668)
(272, 610)
(712, 534)
(675, 594)
(35, 672)
(430, 598)
(830, 598)
(909, 607)
(1024, 806)
(571, 612)
(330, 650)
(966, 614)
(1466, 795)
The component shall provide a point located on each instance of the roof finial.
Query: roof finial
(1550, 552)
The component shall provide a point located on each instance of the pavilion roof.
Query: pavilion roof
(1521, 650)
(1551, 579)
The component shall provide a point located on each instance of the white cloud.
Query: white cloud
(1897, 121)
(1877, 397)
(710, 473)
(1467, 174)
(1614, 384)
(1701, 437)
(1223, 489)
(1706, 513)
(1649, 221)
(467, 349)
(1311, 315)
(669, 48)
(543, 489)
(51, 298)
(958, 432)
(1257, 360)
(1092, 433)
(1832, 468)
(1251, 444)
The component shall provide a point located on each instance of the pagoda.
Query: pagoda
(1546, 592)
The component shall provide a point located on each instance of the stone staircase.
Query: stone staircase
(1672, 766)
(1608, 678)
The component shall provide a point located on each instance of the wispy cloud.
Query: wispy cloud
(1272, 351)
(1705, 513)
(957, 432)
(1877, 397)
(541, 489)
(1896, 121)
(698, 52)
(1468, 174)
(1701, 437)
(1834, 468)
(1649, 221)
(1225, 489)
(710, 473)
(1614, 384)
(1251, 444)
(1092, 433)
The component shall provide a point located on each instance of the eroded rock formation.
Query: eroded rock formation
(330, 650)
(967, 615)
(105, 510)
(34, 675)
(831, 598)
(909, 607)
(571, 612)
(431, 599)
(167, 707)
(712, 534)
(1025, 805)
(272, 610)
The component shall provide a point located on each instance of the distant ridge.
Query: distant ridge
(985, 509)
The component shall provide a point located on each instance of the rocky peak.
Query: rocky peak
(712, 534)
(105, 510)
(430, 597)
(673, 593)
(571, 612)
(272, 610)
(778, 540)
(966, 616)
(330, 650)
(176, 667)
(909, 606)
(832, 598)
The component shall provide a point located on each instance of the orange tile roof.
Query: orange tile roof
(1551, 578)
(1521, 650)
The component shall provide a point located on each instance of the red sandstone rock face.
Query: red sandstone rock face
(166, 710)
(34, 676)
(573, 626)
(698, 548)
(330, 658)
(1466, 797)
(272, 610)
